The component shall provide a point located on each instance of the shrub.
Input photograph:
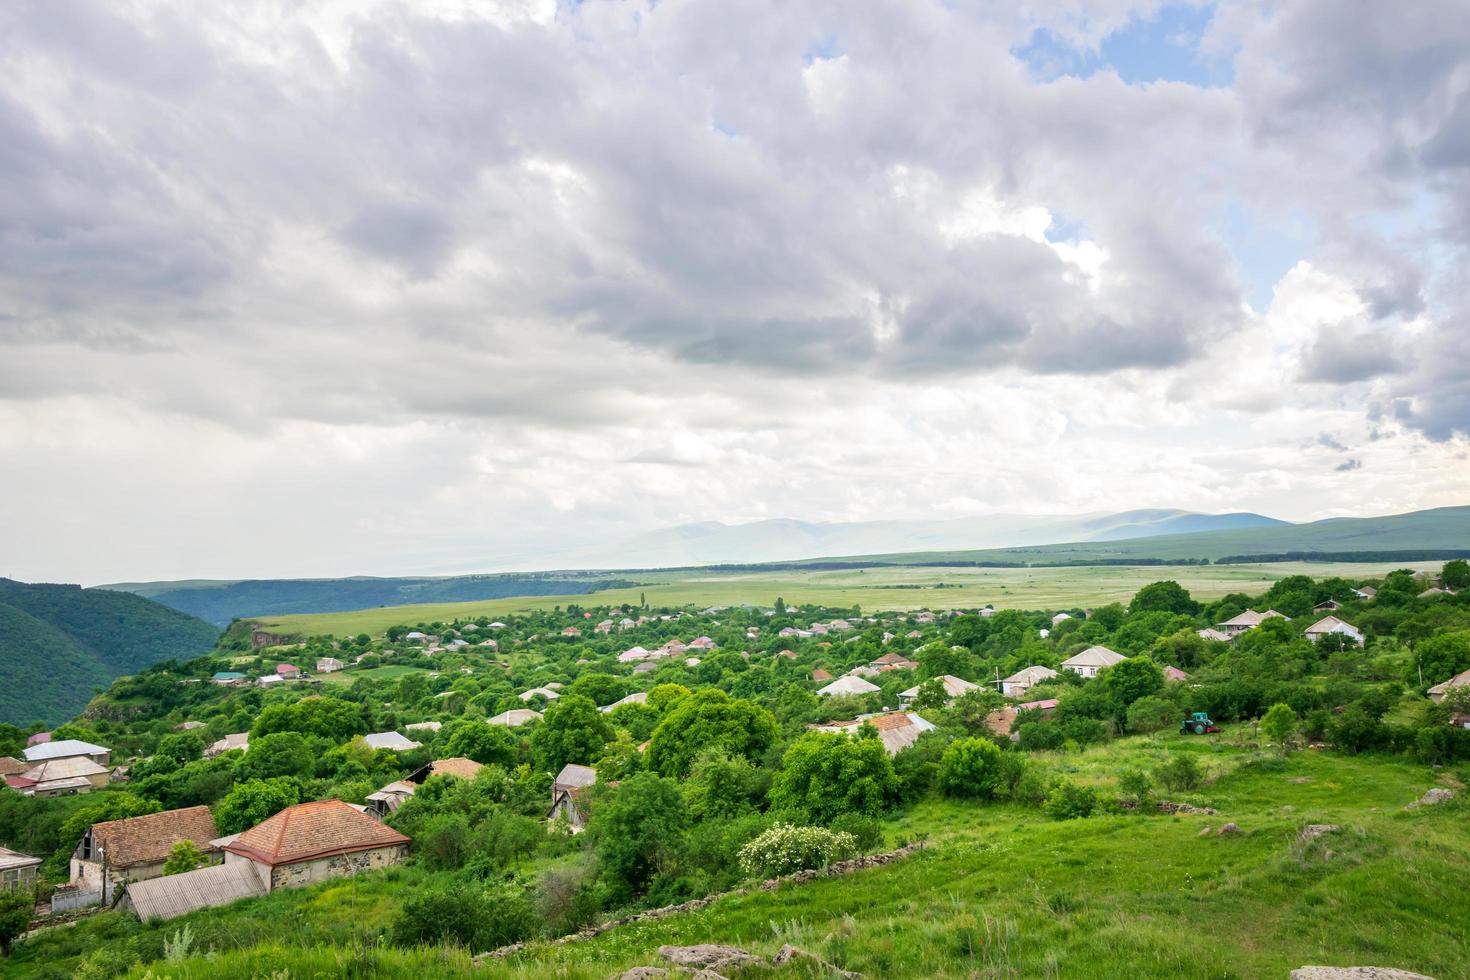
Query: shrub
(1033, 787)
(865, 830)
(465, 914)
(785, 849)
(971, 767)
(1151, 714)
(1135, 784)
(1068, 801)
(1181, 772)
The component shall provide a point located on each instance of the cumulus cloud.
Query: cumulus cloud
(547, 262)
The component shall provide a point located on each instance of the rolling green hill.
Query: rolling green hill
(59, 642)
(219, 602)
(1441, 531)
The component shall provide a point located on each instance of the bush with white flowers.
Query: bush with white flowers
(786, 848)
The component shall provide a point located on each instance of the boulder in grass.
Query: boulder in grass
(1436, 795)
(644, 973)
(707, 956)
(1354, 973)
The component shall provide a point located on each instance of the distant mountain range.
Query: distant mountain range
(58, 642)
(1132, 536)
(779, 540)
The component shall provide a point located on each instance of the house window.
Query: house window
(86, 847)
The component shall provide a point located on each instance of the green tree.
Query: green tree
(1181, 772)
(181, 747)
(329, 718)
(601, 688)
(705, 720)
(662, 697)
(1068, 801)
(640, 830)
(183, 856)
(937, 659)
(1441, 657)
(573, 730)
(1168, 597)
(721, 785)
(1131, 679)
(931, 694)
(971, 767)
(824, 775)
(16, 909)
(253, 801)
(1456, 574)
(1152, 714)
(279, 754)
(483, 742)
(1279, 724)
(412, 688)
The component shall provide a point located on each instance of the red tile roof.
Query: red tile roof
(309, 831)
(149, 838)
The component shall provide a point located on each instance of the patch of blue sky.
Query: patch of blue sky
(821, 49)
(1164, 47)
(1265, 247)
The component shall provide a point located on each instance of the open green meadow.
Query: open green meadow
(388, 672)
(999, 891)
(878, 588)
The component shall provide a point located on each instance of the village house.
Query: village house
(637, 697)
(548, 692)
(10, 766)
(1002, 721)
(328, 665)
(632, 655)
(392, 796)
(135, 849)
(269, 680)
(566, 792)
(571, 631)
(1174, 675)
(229, 678)
(1438, 691)
(1214, 635)
(1366, 592)
(515, 717)
(311, 842)
(953, 687)
(1247, 620)
(897, 730)
(289, 672)
(924, 617)
(1022, 681)
(1332, 626)
(893, 661)
(1060, 618)
(1327, 605)
(424, 726)
(66, 776)
(68, 748)
(1433, 591)
(189, 726)
(17, 870)
(236, 740)
(646, 667)
(701, 643)
(848, 685)
(1090, 661)
(391, 740)
(821, 676)
(38, 738)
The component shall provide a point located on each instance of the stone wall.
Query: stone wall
(336, 866)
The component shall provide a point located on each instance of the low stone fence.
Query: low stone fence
(66, 899)
(694, 905)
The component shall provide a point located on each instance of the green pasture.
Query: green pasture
(879, 588)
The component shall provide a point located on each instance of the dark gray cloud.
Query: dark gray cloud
(1344, 353)
(1348, 465)
(1331, 443)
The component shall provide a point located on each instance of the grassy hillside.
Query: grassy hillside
(59, 642)
(221, 602)
(876, 588)
(1445, 529)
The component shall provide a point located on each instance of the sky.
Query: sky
(327, 287)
